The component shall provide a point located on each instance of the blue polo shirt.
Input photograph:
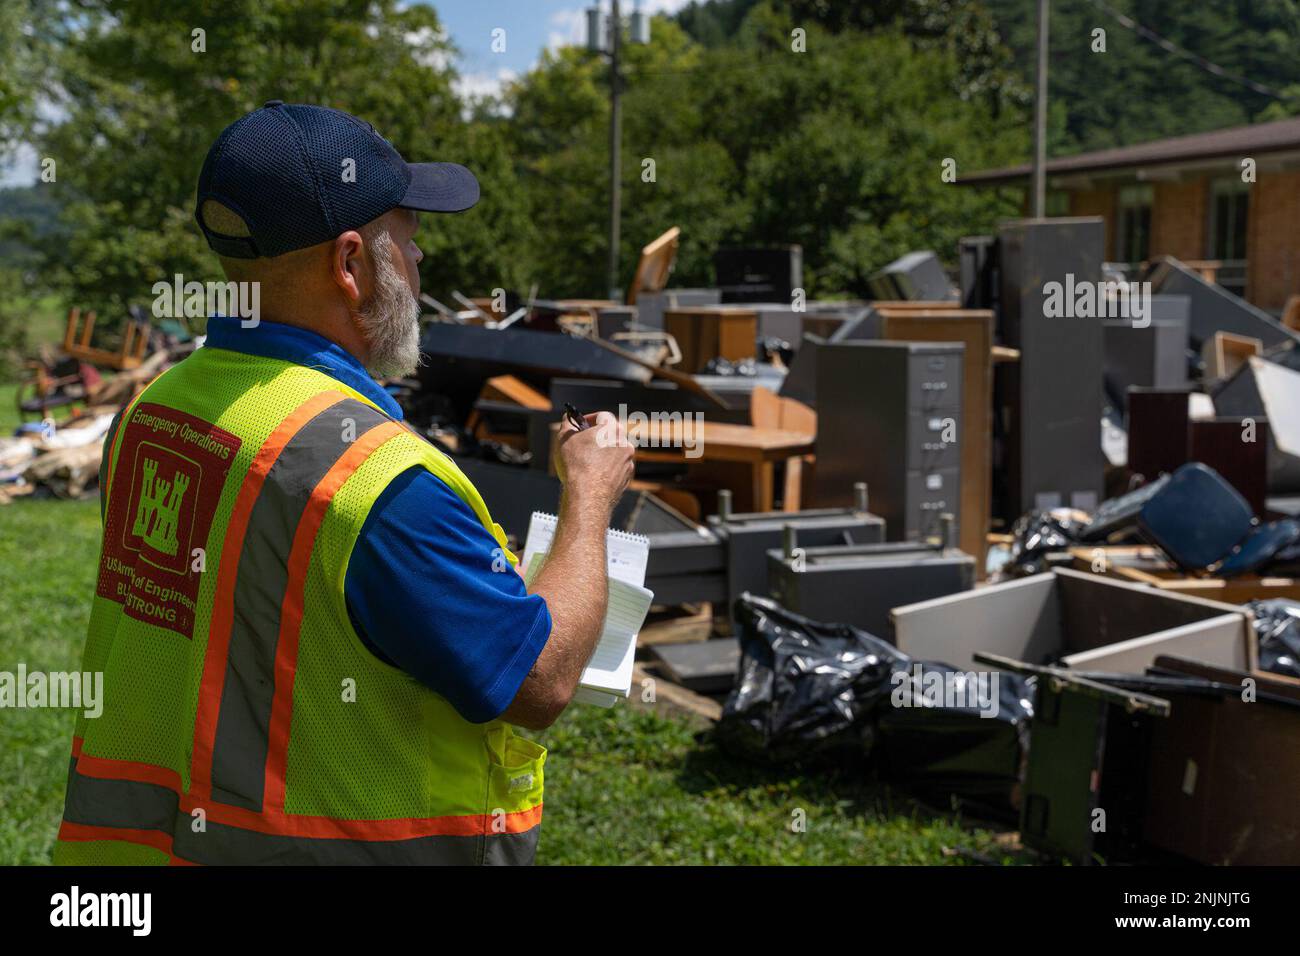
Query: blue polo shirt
(420, 587)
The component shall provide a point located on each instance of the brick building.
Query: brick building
(1189, 197)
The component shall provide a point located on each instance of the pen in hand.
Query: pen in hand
(574, 418)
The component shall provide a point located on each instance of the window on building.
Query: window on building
(1229, 204)
(1134, 233)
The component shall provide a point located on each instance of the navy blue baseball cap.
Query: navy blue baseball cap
(299, 175)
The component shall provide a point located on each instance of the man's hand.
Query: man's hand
(595, 464)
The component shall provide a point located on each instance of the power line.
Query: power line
(1170, 47)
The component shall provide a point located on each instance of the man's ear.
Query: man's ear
(348, 266)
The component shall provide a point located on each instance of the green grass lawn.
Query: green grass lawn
(47, 575)
(627, 785)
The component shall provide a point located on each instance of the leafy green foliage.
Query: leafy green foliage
(1135, 91)
(838, 149)
(727, 131)
(145, 95)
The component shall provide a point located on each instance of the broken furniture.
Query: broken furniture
(974, 329)
(458, 359)
(1222, 773)
(654, 265)
(769, 410)
(1052, 397)
(1163, 435)
(1266, 390)
(76, 342)
(504, 393)
(1225, 353)
(706, 667)
(1214, 308)
(892, 417)
(1225, 537)
(1080, 796)
(680, 438)
(1189, 758)
(1149, 355)
(747, 538)
(770, 274)
(1158, 438)
(914, 276)
(1148, 565)
(977, 258)
(1084, 621)
(54, 384)
(650, 306)
(859, 584)
(707, 332)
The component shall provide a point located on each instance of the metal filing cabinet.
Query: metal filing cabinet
(860, 584)
(748, 537)
(889, 414)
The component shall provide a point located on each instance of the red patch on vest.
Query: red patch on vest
(166, 485)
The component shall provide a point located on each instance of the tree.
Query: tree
(147, 85)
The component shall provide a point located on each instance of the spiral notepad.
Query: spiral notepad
(608, 674)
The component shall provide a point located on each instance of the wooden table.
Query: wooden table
(759, 448)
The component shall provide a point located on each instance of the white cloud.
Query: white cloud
(19, 168)
(427, 52)
(567, 28)
(476, 85)
(663, 6)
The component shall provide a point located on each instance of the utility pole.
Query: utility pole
(615, 144)
(605, 36)
(1040, 118)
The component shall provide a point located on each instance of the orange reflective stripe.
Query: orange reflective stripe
(128, 770)
(85, 832)
(278, 823)
(214, 664)
(286, 656)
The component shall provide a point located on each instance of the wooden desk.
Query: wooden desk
(708, 332)
(758, 448)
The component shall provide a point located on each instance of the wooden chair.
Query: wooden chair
(770, 410)
(76, 342)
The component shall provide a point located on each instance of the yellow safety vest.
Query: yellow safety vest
(244, 721)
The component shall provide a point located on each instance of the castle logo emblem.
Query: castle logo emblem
(159, 508)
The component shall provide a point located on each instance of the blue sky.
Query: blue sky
(531, 26)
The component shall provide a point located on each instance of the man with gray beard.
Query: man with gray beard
(310, 626)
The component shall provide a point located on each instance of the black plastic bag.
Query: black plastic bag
(972, 741)
(1038, 533)
(1277, 625)
(805, 688)
(808, 688)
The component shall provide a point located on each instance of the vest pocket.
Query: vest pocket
(514, 797)
(515, 769)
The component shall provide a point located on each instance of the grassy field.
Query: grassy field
(623, 786)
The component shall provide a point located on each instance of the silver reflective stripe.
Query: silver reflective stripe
(131, 805)
(243, 722)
